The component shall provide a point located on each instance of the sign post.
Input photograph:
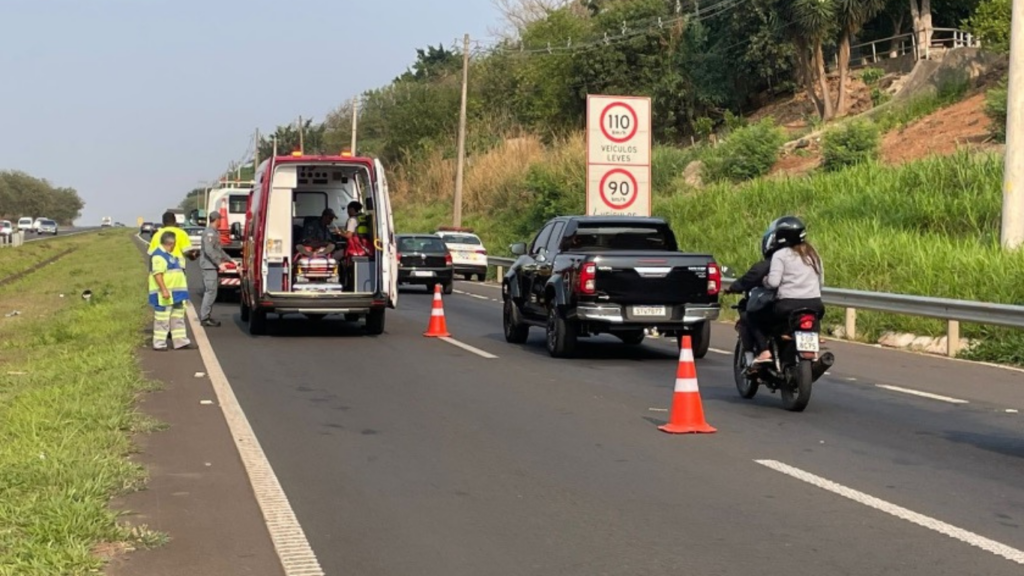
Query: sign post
(618, 155)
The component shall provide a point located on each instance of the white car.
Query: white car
(195, 234)
(37, 223)
(469, 257)
(24, 224)
(6, 228)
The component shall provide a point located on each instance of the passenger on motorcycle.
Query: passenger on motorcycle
(796, 275)
(753, 279)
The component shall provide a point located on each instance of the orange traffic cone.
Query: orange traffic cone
(437, 328)
(687, 415)
(222, 223)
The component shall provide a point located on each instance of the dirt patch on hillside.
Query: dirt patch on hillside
(942, 132)
(795, 113)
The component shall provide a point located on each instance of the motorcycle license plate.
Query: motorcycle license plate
(806, 341)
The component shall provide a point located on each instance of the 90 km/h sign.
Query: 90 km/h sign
(618, 155)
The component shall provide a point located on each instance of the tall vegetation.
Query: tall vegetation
(23, 195)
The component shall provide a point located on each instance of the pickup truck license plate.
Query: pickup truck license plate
(423, 274)
(648, 310)
(807, 341)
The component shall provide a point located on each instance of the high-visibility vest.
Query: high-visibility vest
(364, 225)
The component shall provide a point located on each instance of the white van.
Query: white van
(25, 224)
(291, 193)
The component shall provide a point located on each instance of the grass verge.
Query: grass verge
(67, 393)
(16, 260)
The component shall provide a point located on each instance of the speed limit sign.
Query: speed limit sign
(621, 190)
(618, 155)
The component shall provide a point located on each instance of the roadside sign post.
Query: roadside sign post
(618, 155)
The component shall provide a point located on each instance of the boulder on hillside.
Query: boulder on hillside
(692, 174)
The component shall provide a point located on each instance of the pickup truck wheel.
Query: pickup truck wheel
(375, 322)
(700, 339)
(448, 288)
(632, 338)
(515, 332)
(561, 335)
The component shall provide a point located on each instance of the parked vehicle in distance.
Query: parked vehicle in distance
(621, 275)
(147, 228)
(118, 224)
(231, 197)
(468, 252)
(106, 222)
(6, 228)
(47, 226)
(195, 234)
(37, 222)
(24, 224)
(424, 260)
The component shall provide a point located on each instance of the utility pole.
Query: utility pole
(256, 154)
(302, 143)
(355, 122)
(459, 166)
(1013, 162)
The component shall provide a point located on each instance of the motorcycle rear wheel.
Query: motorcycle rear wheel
(796, 394)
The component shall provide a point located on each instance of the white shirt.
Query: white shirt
(352, 224)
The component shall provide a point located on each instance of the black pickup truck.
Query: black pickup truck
(589, 275)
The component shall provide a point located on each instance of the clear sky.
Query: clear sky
(133, 102)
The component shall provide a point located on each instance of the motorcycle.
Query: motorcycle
(796, 361)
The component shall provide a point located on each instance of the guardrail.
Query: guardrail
(12, 240)
(952, 311)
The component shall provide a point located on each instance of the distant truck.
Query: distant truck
(233, 198)
(106, 222)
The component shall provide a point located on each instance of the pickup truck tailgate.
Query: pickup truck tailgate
(669, 279)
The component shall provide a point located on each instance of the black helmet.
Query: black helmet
(768, 244)
(787, 232)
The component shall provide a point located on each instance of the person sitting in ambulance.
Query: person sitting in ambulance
(317, 237)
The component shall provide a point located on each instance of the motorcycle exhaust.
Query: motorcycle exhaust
(822, 364)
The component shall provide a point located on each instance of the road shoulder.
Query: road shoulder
(198, 492)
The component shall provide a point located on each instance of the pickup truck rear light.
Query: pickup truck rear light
(448, 259)
(588, 278)
(714, 279)
(807, 322)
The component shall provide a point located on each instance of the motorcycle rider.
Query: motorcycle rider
(797, 276)
(753, 279)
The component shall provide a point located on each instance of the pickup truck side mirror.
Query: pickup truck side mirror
(518, 249)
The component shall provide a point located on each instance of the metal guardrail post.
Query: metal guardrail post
(952, 337)
(501, 273)
(851, 324)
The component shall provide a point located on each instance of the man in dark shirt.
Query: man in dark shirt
(752, 279)
(317, 236)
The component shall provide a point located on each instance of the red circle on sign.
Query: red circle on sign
(632, 114)
(632, 182)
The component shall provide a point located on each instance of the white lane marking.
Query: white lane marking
(488, 285)
(717, 351)
(293, 549)
(471, 295)
(922, 394)
(1011, 554)
(468, 348)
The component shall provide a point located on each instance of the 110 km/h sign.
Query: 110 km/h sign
(618, 155)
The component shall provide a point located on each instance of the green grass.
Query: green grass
(15, 260)
(67, 393)
(929, 227)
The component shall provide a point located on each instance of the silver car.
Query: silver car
(47, 227)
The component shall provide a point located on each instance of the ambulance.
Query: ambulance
(290, 194)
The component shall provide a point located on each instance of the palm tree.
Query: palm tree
(813, 21)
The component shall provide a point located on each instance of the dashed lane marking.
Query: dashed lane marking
(290, 542)
(922, 394)
(468, 348)
(991, 546)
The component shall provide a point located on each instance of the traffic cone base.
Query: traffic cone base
(687, 415)
(437, 328)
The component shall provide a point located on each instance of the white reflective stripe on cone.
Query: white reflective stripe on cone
(685, 355)
(437, 312)
(686, 385)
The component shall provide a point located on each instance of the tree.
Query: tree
(853, 14)
(25, 195)
(433, 63)
(991, 23)
(518, 15)
(921, 14)
(812, 22)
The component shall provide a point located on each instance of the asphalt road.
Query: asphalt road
(61, 232)
(407, 455)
